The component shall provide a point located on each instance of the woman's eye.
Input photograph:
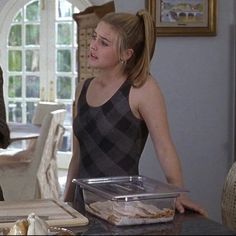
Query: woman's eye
(104, 43)
(99, 40)
(93, 36)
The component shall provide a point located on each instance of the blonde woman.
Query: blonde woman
(118, 108)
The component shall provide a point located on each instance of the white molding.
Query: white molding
(7, 13)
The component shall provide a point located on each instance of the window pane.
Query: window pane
(66, 142)
(67, 137)
(32, 11)
(32, 35)
(64, 9)
(18, 17)
(30, 107)
(32, 60)
(64, 87)
(32, 87)
(64, 33)
(25, 55)
(76, 10)
(15, 86)
(15, 60)
(15, 111)
(15, 38)
(63, 60)
(68, 118)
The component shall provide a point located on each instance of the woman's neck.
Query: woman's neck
(106, 78)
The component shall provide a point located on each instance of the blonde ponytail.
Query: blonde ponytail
(136, 32)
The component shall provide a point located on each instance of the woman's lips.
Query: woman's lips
(93, 57)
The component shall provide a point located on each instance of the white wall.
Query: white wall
(197, 78)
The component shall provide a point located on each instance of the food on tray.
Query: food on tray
(19, 228)
(37, 226)
(33, 225)
(121, 213)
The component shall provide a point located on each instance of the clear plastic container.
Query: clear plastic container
(129, 200)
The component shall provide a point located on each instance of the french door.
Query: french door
(41, 60)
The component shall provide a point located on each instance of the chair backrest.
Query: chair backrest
(24, 178)
(44, 108)
(41, 111)
(46, 149)
(228, 200)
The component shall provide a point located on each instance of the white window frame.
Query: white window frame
(7, 13)
(11, 7)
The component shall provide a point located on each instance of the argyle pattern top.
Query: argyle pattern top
(111, 138)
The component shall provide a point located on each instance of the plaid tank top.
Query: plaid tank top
(111, 138)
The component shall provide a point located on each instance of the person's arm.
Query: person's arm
(72, 173)
(4, 129)
(152, 108)
(73, 170)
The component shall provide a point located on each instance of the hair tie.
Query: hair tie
(140, 13)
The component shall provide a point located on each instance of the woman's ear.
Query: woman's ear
(128, 54)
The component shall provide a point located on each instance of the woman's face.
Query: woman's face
(103, 47)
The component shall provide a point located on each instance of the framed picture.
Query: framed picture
(183, 17)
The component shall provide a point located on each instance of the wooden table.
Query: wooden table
(19, 131)
(54, 212)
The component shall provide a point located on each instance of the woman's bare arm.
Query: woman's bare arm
(73, 170)
(149, 105)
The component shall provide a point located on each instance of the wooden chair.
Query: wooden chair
(41, 110)
(32, 173)
(44, 108)
(228, 200)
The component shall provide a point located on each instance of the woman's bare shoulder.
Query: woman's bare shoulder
(145, 97)
(148, 89)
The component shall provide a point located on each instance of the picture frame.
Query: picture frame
(183, 18)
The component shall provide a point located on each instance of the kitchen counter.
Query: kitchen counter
(183, 224)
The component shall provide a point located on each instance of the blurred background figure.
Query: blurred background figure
(4, 130)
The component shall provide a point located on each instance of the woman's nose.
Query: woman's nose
(93, 45)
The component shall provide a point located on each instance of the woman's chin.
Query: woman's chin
(93, 65)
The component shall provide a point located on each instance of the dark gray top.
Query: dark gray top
(111, 137)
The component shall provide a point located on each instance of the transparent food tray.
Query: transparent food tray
(129, 200)
(129, 188)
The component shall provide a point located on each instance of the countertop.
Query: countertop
(183, 224)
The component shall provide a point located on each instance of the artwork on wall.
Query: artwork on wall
(183, 17)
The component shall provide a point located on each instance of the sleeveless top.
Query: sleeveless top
(111, 138)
